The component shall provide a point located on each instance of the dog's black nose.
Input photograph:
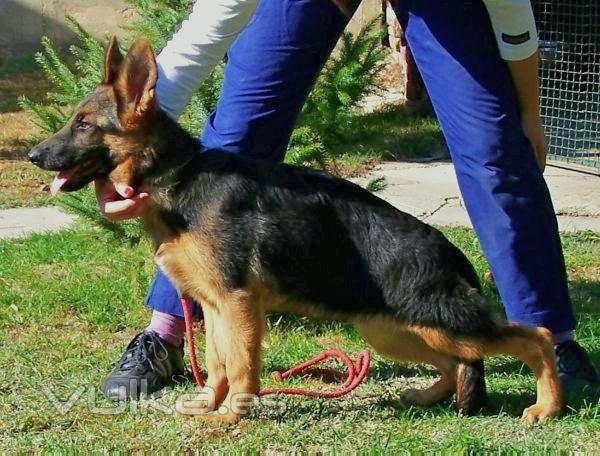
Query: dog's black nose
(34, 155)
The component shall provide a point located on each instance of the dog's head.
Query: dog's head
(106, 130)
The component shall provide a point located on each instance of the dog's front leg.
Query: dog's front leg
(215, 356)
(240, 325)
(214, 392)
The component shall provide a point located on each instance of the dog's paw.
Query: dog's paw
(537, 413)
(194, 405)
(192, 408)
(217, 419)
(414, 397)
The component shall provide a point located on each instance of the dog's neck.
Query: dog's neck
(160, 167)
(168, 150)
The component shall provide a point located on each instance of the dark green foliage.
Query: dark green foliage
(305, 146)
(48, 118)
(159, 19)
(376, 184)
(71, 82)
(326, 119)
(348, 77)
(203, 102)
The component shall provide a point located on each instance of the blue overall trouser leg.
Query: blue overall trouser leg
(504, 192)
(270, 69)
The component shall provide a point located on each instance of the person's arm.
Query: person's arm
(185, 62)
(198, 46)
(516, 33)
(524, 74)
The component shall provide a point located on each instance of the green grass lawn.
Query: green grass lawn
(70, 301)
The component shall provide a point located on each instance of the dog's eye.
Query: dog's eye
(83, 125)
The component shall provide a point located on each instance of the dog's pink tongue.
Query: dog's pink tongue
(61, 179)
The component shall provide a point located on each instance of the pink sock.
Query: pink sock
(168, 327)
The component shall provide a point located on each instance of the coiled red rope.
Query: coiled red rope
(357, 370)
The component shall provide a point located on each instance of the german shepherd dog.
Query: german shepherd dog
(245, 237)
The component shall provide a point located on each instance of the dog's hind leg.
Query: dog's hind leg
(438, 392)
(392, 340)
(533, 346)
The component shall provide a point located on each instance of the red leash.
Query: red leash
(189, 334)
(357, 371)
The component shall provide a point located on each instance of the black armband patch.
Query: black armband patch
(516, 39)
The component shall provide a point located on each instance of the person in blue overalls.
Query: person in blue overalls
(478, 60)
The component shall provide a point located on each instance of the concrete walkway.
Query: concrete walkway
(430, 192)
(426, 190)
(21, 222)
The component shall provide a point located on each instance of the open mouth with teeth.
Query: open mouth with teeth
(76, 177)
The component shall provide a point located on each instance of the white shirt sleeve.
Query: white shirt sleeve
(514, 27)
(198, 46)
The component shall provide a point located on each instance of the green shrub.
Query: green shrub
(347, 78)
(71, 82)
(159, 19)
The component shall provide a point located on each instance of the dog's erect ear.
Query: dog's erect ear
(112, 61)
(135, 83)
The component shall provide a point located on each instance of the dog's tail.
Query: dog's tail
(471, 394)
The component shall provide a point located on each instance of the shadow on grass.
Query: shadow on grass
(378, 371)
(586, 297)
(12, 86)
(386, 370)
(392, 134)
(312, 326)
(509, 403)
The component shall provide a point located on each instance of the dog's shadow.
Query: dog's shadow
(389, 406)
(311, 326)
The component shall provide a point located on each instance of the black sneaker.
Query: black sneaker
(577, 375)
(148, 365)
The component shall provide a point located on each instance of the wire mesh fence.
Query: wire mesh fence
(569, 33)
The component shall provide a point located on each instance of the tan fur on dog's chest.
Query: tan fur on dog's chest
(189, 262)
